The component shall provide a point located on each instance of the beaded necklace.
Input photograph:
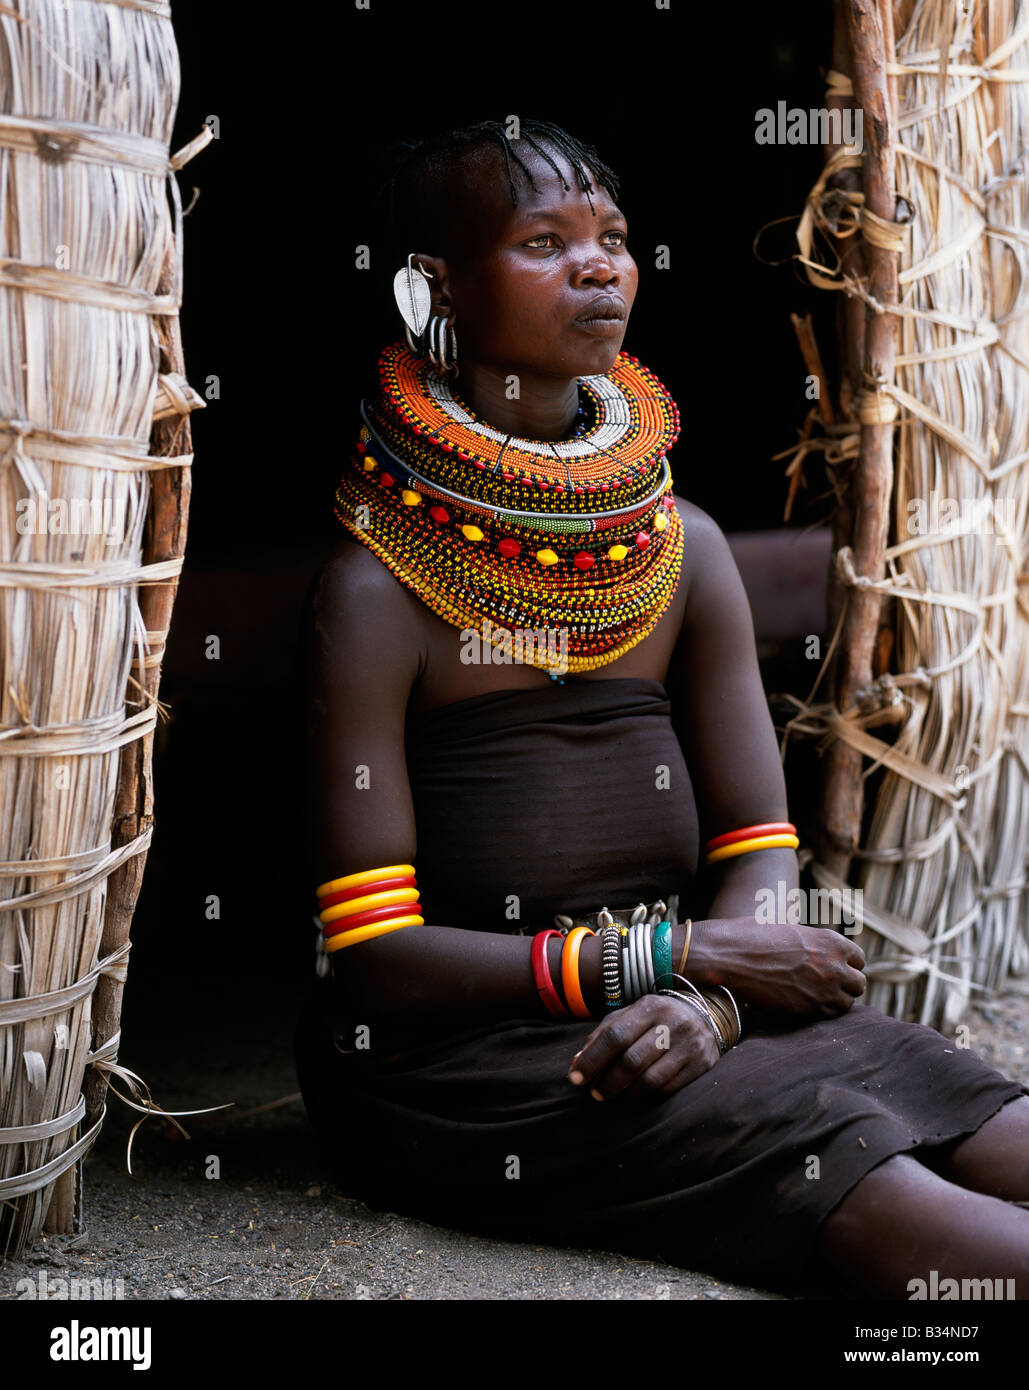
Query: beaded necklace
(580, 535)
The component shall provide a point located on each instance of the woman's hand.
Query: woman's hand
(813, 972)
(650, 1048)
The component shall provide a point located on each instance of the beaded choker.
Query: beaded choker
(579, 535)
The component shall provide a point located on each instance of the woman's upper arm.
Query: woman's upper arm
(366, 653)
(721, 709)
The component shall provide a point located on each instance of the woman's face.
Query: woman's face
(545, 287)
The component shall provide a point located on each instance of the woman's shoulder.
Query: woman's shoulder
(360, 602)
(706, 547)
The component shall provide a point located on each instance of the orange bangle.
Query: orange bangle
(570, 971)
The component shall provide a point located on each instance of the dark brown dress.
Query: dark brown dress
(548, 800)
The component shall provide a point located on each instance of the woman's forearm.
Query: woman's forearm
(421, 975)
(424, 974)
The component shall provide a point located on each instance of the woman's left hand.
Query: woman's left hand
(651, 1048)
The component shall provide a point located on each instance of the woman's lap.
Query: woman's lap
(733, 1173)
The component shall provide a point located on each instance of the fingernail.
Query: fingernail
(596, 1095)
(576, 1078)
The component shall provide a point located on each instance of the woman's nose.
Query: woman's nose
(596, 268)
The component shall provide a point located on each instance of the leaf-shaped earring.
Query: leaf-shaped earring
(414, 300)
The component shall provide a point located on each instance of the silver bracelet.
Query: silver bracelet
(629, 958)
(701, 1008)
(647, 945)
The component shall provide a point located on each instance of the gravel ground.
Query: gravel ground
(273, 1225)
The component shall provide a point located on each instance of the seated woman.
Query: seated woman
(536, 694)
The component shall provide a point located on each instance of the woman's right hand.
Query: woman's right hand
(813, 972)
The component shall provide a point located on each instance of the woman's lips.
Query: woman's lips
(601, 327)
(603, 318)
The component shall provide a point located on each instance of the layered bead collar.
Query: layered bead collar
(580, 535)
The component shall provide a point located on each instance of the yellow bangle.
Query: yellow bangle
(686, 948)
(358, 934)
(759, 842)
(570, 971)
(366, 876)
(355, 905)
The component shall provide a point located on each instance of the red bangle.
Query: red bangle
(775, 827)
(346, 895)
(374, 914)
(541, 974)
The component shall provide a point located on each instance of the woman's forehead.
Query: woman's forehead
(554, 192)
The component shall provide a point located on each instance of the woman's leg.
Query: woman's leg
(995, 1159)
(902, 1221)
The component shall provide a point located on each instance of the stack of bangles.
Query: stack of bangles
(778, 834)
(637, 960)
(361, 906)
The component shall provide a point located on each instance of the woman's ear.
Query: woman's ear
(437, 274)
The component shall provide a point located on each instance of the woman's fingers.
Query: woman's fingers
(626, 1070)
(669, 1074)
(854, 983)
(617, 1033)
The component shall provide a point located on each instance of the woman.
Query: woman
(464, 798)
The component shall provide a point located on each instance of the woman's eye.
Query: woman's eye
(544, 236)
(620, 238)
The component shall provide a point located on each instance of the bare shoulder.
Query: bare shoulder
(366, 624)
(355, 587)
(707, 552)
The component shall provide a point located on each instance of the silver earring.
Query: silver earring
(442, 345)
(414, 300)
(430, 340)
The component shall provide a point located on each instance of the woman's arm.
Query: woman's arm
(721, 714)
(368, 650)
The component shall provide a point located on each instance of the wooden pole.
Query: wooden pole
(165, 539)
(872, 479)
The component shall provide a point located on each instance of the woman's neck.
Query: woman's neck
(545, 407)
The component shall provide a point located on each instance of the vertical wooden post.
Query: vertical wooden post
(872, 479)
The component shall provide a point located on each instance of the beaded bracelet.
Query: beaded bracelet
(612, 937)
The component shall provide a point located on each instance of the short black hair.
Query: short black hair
(418, 194)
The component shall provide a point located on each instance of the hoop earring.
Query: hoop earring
(442, 345)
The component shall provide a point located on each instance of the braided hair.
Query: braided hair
(420, 193)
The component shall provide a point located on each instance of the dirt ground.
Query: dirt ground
(273, 1225)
